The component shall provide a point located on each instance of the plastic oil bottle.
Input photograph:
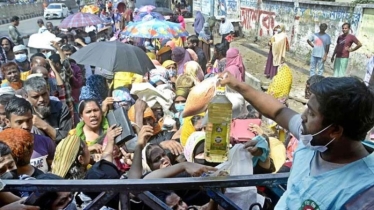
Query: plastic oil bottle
(217, 140)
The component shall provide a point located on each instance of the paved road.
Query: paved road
(28, 27)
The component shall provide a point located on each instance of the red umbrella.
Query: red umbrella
(80, 20)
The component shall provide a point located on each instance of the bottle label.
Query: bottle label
(221, 90)
(219, 135)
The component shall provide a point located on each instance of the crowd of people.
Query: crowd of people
(54, 125)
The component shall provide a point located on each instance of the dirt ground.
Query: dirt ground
(255, 64)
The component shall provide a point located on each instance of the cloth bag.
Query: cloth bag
(240, 163)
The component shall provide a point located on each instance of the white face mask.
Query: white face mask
(21, 57)
(47, 54)
(307, 139)
(87, 40)
(279, 30)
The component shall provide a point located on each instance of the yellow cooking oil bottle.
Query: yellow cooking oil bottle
(217, 139)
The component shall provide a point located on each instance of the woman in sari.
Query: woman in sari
(278, 46)
(234, 64)
(206, 40)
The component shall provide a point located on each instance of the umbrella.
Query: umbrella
(114, 56)
(92, 9)
(148, 16)
(163, 11)
(154, 29)
(147, 8)
(80, 20)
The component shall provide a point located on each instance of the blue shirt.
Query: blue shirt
(320, 42)
(327, 190)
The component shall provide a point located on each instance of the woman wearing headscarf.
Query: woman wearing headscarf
(171, 44)
(164, 54)
(122, 98)
(180, 56)
(206, 40)
(278, 46)
(234, 64)
(72, 158)
(193, 69)
(219, 59)
(6, 50)
(199, 22)
(171, 69)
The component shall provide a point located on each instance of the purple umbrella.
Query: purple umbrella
(80, 20)
(144, 16)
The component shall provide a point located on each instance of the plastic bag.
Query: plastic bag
(200, 96)
(240, 163)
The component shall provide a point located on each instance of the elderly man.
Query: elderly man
(51, 117)
(20, 53)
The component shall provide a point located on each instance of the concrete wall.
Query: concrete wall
(303, 18)
(20, 10)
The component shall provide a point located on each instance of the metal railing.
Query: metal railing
(141, 187)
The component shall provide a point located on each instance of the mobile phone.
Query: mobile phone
(32, 199)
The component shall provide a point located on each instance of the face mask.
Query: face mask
(21, 57)
(47, 54)
(7, 175)
(307, 139)
(147, 43)
(279, 30)
(180, 107)
(87, 40)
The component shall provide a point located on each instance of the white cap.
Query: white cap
(7, 91)
(19, 48)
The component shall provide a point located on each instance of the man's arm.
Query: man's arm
(13, 34)
(264, 103)
(66, 123)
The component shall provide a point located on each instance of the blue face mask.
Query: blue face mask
(180, 107)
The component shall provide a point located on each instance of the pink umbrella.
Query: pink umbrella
(80, 20)
(147, 8)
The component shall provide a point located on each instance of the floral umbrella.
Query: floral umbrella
(153, 29)
(145, 16)
(147, 8)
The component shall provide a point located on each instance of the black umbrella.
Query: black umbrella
(163, 11)
(114, 56)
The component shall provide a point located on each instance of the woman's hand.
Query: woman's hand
(255, 129)
(105, 106)
(145, 133)
(126, 157)
(175, 147)
(196, 170)
(113, 132)
(250, 146)
(96, 148)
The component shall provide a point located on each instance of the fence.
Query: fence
(9, 10)
(141, 187)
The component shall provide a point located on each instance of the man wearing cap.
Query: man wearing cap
(42, 28)
(20, 53)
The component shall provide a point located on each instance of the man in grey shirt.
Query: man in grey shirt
(13, 32)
